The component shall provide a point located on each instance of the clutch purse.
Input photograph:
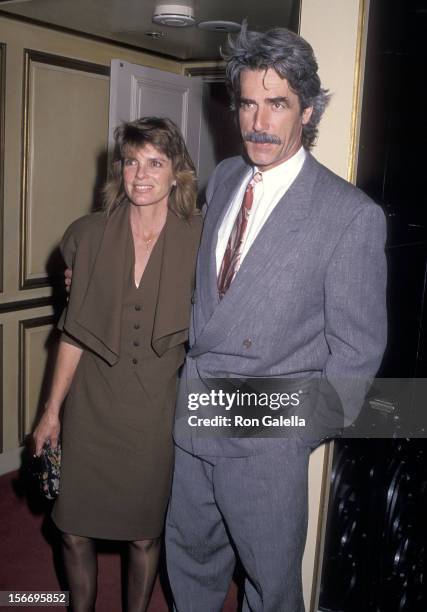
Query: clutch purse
(50, 470)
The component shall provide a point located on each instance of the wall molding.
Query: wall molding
(38, 302)
(2, 150)
(209, 74)
(359, 69)
(31, 57)
(24, 326)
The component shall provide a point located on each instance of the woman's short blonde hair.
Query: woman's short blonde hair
(163, 134)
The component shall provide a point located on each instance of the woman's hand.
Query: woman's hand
(47, 429)
(68, 277)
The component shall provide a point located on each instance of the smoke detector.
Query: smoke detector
(178, 14)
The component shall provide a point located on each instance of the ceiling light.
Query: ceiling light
(178, 14)
(219, 26)
(155, 34)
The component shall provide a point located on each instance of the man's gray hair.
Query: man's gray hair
(290, 56)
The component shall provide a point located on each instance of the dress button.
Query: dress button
(135, 343)
(134, 361)
(247, 343)
(136, 326)
(137, 307)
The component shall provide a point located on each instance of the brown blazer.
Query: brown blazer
(95, 247)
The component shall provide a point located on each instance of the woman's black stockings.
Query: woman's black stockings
(81, 566)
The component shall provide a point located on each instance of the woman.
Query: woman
(122, 344)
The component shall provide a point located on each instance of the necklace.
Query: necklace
(148, 243)
(146, 239)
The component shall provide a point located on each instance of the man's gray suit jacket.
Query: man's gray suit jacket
(308, 300)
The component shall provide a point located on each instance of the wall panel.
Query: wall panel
(1, 388)
(65, 114)
(2, 119)
(25, 352)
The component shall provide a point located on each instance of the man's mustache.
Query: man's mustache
(261, 138)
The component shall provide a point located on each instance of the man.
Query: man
(290, 283)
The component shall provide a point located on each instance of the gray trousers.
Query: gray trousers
(256, 505)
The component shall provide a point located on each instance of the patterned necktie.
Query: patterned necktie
(233, 252)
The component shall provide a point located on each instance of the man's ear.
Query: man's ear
(306, 114)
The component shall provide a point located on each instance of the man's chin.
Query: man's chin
(263, 163)
(261, 155)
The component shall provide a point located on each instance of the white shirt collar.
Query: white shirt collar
(267, 194)
(289, 166)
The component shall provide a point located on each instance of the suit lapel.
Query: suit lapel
(206, 281)
(269, 249)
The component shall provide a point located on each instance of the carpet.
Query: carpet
(30, 558)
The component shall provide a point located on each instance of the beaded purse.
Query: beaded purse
(50, 470)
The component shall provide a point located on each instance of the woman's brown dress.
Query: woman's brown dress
(117, 424)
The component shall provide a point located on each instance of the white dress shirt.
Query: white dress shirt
(267, 193)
